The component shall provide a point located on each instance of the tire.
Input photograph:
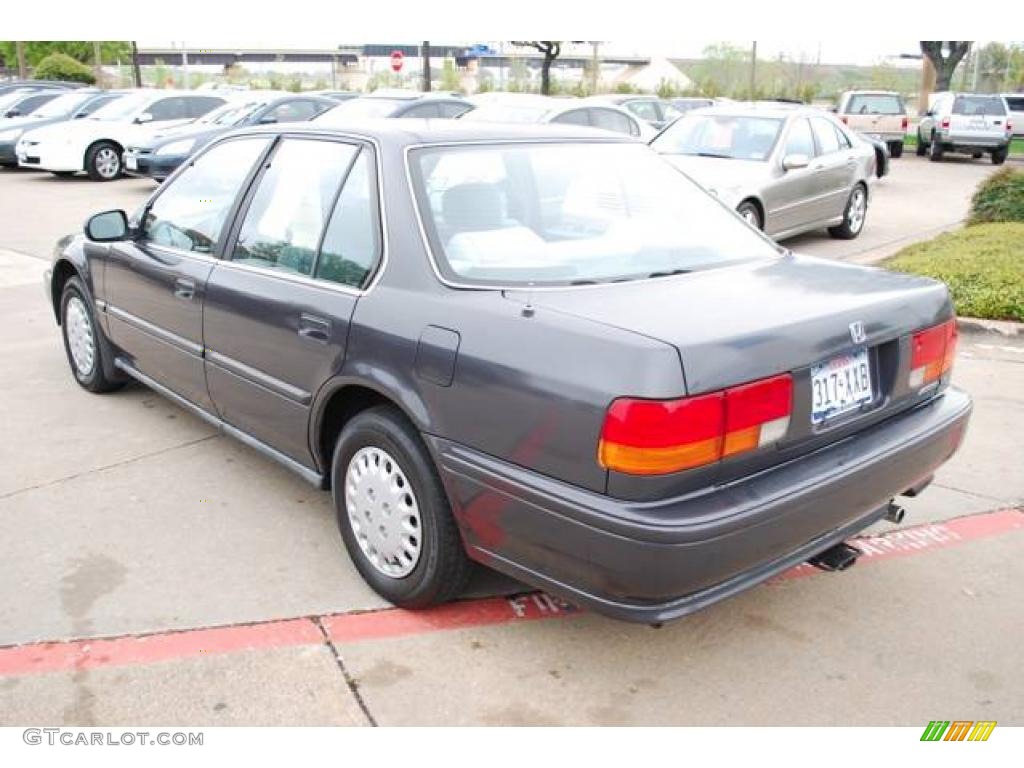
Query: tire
(380, 460)
(922, 146)
(896, 149)
(84, 345)
(935, 150)
(750, 213)
(854, 215)
(999, 155)
(103, 161)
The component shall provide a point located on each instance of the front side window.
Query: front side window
(190, 213)
(168, 109)
(198, 106)
(610, 120)
(351, 245)
(286, 217)
(799, 141)
(295, 111)
(422, 110)
(62, 105)
(359, 107)
(735, 137)
(570, 213)
(573, 117)
(645, 110)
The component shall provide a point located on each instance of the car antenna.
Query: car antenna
(528, 310)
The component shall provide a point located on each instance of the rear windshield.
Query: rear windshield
(979, 105)
(570, 213)
(875, 104)
(736, 137)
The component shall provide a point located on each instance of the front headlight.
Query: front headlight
(11, 135)
(182, 147)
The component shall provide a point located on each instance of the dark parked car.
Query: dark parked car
(68, 105)
(409, 104)
(23, 101)
(540, 348)
(162, 151)
(7, 86)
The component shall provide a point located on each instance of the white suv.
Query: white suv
(970, 123)
(95, 143)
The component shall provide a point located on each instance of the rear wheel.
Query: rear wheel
(896, 148)
(393, 513)
(82, 342)
(750, 213)
(935, 149)
(922, 146)
(854, 216)
(999, 156)
(103, 161)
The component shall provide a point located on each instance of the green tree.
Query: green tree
(551, 50)
(82, 51)
(58, 66)
(449, 75)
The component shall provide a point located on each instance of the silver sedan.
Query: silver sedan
(785, 169)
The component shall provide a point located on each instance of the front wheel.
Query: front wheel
(103, 161)
(853, 217)
(393, 513)
(82, 342)
(750, 214)
(935, 149)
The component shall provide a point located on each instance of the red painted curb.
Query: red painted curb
(347, 628)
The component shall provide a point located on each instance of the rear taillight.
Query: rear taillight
(1009, 127)
(945, 123)
(932, 353)
(845, 119)
(656, 437)
(904, 123)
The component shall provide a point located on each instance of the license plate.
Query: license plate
(131, 163)
(840, 385)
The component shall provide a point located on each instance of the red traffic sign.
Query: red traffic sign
(396, 60)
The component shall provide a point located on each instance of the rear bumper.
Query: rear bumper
(967, 143)
(650, 562)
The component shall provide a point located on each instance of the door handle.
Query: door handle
(314, 328)
(184, 288)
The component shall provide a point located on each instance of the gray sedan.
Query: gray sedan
(785, 169)
(536, 348)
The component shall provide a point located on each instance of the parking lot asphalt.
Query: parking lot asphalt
(154, 571)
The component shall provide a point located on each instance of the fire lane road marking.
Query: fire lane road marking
(346, 628)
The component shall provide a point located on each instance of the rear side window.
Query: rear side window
(298, 110)
(1016, 103)
(199, 105)
(825, 134)
(573, 117)
(452, 108)
(286, 217)
(32, 103)
(978, 105)
(95, 104)
(351, 244)
(646, 110)
(875, 104)
(422, 110)
(613, 121)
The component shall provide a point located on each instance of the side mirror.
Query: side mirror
(13, 112)
(107, 227)
(792, 162)
(267, 120)
(145, 117)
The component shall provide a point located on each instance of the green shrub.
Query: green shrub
(1000, 197)
(983, 266)
(60, 66)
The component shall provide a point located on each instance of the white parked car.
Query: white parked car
(95, 144)
(1015, 103)
(497, 107)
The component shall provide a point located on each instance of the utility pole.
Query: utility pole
(19, 47)
(595, 64)
(753, 70)
(425, 50)
(184, 64)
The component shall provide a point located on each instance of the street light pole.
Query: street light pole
(753, 70)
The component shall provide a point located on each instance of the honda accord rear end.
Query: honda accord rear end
(666, 407)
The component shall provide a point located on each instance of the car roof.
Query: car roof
(412, 131)
(758, 109)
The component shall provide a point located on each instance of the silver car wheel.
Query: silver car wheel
(383, 512)
(858, 210)
(79, 332)
(108, 164)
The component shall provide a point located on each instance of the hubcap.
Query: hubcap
(78, 328)
(107, 163)
(383, 512)
(750, 216)
(858, 207)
